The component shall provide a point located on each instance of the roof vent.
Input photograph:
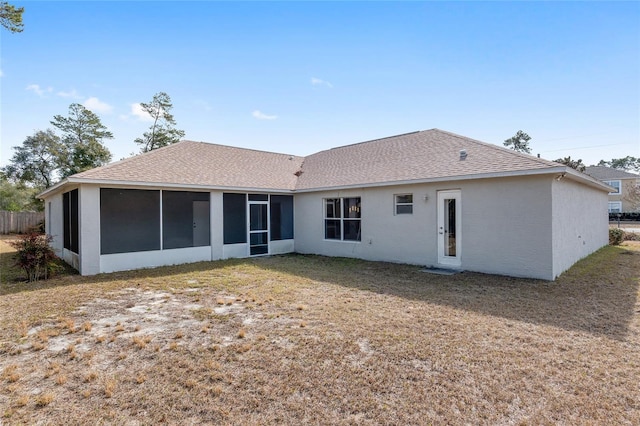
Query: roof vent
(463, 154)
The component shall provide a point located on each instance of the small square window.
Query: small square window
(403, 203)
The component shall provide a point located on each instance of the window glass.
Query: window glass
(332, 208)
(404, 204)
(185, 219)
(352, 207)
(129, 220)
(615, 207)
(234, 218)
(615, 184)
(332, 230)
(281, 210)
(352, 230)
(342, 219)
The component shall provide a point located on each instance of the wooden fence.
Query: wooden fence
(19, 222)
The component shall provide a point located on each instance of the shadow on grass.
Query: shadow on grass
(598, 295)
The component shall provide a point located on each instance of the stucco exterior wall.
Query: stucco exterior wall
(506, 225)
(53, 222)
(580, 223)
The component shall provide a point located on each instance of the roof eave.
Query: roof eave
(559, 170)
(156, 185)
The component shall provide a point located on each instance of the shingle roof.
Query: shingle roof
(424, 155)
(606, 173)
(429, 154)
(205, 164)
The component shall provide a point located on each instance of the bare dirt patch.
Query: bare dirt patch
(306, 339)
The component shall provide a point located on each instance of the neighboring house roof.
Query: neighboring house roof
(205, 164)
(430, 155)
(608, 173)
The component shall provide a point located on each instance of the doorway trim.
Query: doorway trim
(449, 247)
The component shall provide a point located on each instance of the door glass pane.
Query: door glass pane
(258, 217)
(255, 250)
(258, 238)
(450, 227)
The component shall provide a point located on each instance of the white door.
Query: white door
(200, 223)
(449, 228)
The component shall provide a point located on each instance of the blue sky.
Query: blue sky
(300, 77)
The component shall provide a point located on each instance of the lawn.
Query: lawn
(307, 339)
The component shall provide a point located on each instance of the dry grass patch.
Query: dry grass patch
(372, 343)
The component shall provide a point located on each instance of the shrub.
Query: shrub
(34, 255)
(632, 236)
(616, 236)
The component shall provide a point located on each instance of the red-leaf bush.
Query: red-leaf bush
(34, 255)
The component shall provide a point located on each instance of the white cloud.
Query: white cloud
(40, 91)
(262, 116)
(96, 105)
(139, 113)
(70, 94)
(320, 82)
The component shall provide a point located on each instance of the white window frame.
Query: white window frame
(397, 204)
(341, 219)
(616, 203)
(616, 183)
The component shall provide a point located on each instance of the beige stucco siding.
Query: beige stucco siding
(580, 223)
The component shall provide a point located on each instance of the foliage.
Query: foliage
(616, 236)
(11, 17)
(628, 163)
(17, 197)
(34, 255)
(519, 142)
(36, 162)
(574, 164)
(162, 132)
(632, 236)
(82, 147)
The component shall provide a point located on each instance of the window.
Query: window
(403, 203)
(281, 216)
(185, 219)
(615, 184)
(70, 217)
(234, 218)
(342, 219)
(615, 206)
(129, 220)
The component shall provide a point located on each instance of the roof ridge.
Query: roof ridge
(368, 141)
(244, 149)
(503, 149)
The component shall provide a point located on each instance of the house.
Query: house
(626, 195)
(429, 198)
